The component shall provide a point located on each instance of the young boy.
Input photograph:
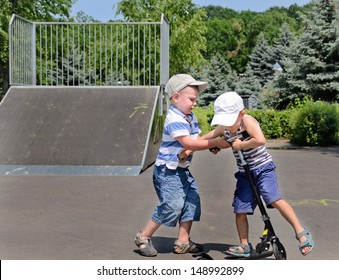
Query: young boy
(229, 114)
(174, 184)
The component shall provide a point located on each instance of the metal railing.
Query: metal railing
(88, 54)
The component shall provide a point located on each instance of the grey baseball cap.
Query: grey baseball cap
(180, 81)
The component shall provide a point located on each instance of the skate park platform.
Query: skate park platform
(79, 130)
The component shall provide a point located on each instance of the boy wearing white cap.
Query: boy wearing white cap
(174, 184)
(230, 115)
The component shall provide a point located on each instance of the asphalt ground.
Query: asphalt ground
(97, 217)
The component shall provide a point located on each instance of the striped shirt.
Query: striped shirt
(176, 124)
(254, 157)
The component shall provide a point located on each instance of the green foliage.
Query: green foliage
(234, 34)
(304, 122)
(187, 28)
(274, 124)
(262, 60)
(315, 124)
(204, 116)
(220, 79)
(43, 10)
(312, 67)
(248, 84)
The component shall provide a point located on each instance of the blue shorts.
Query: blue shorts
(265, 177)
(178, 195)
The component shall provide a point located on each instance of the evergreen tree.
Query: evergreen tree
(282, 44)
(248, 86)
(220, 78)
(313, 64)
(262, 60)
(281, 50)
(69, 72)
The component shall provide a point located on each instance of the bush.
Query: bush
(315, 124)
(274, 124)
(304, 122)
(204, 116)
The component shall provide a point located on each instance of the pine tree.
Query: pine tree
(281, 50)
(220, 78)
(69, 72)
(282, 44)
(249, 88)
(262, 60)
(313, 65)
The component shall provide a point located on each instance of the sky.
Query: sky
(102, 10)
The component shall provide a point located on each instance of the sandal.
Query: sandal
(183, 248)
(237, 252)
(308, 242)
(145, 246)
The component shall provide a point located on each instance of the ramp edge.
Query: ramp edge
(66, 170)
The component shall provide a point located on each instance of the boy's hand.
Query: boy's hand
(236, 145)
(183, 155)
(222, 143)
(214, 150)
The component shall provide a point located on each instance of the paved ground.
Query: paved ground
(86, 217)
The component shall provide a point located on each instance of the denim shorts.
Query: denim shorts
(265, 178)
(178, 195)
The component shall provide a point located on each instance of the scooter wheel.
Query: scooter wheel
(279, 251)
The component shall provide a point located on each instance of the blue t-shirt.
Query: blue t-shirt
(176, 124)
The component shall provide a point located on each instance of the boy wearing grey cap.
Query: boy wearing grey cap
(179, 199)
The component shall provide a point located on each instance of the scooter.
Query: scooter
(268, 238)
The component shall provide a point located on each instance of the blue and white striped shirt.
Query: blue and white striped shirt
(176, 124)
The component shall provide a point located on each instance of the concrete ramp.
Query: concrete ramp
(79, 130)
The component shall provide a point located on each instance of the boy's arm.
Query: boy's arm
(217, 132)
(202, 144)
(213, 134)
(253, 128)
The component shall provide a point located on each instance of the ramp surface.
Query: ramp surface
(77, 130)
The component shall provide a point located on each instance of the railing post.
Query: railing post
(164, 51)
(164, 62)
(10, 46)
(33, 55)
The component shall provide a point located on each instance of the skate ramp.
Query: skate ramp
(79, 130)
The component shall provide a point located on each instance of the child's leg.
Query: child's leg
(149, 229)
(242, 228)
(288, 213)
(143, 239)
(183, 244)
(244, 248)
(184, 231)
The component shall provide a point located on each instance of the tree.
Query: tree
(43, 10)
(313, 64)
(281, 51)
(282, 44)
(187, 28)
(262, 60)
(248, 85)
(220, 78)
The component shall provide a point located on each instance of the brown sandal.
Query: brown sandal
(183, 248)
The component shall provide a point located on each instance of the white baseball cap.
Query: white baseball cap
(180, 81)
(227, 108)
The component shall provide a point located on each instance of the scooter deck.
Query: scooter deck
(255, 256)
(205, 256)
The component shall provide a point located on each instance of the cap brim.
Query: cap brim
(201, 85)
(224, 119)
